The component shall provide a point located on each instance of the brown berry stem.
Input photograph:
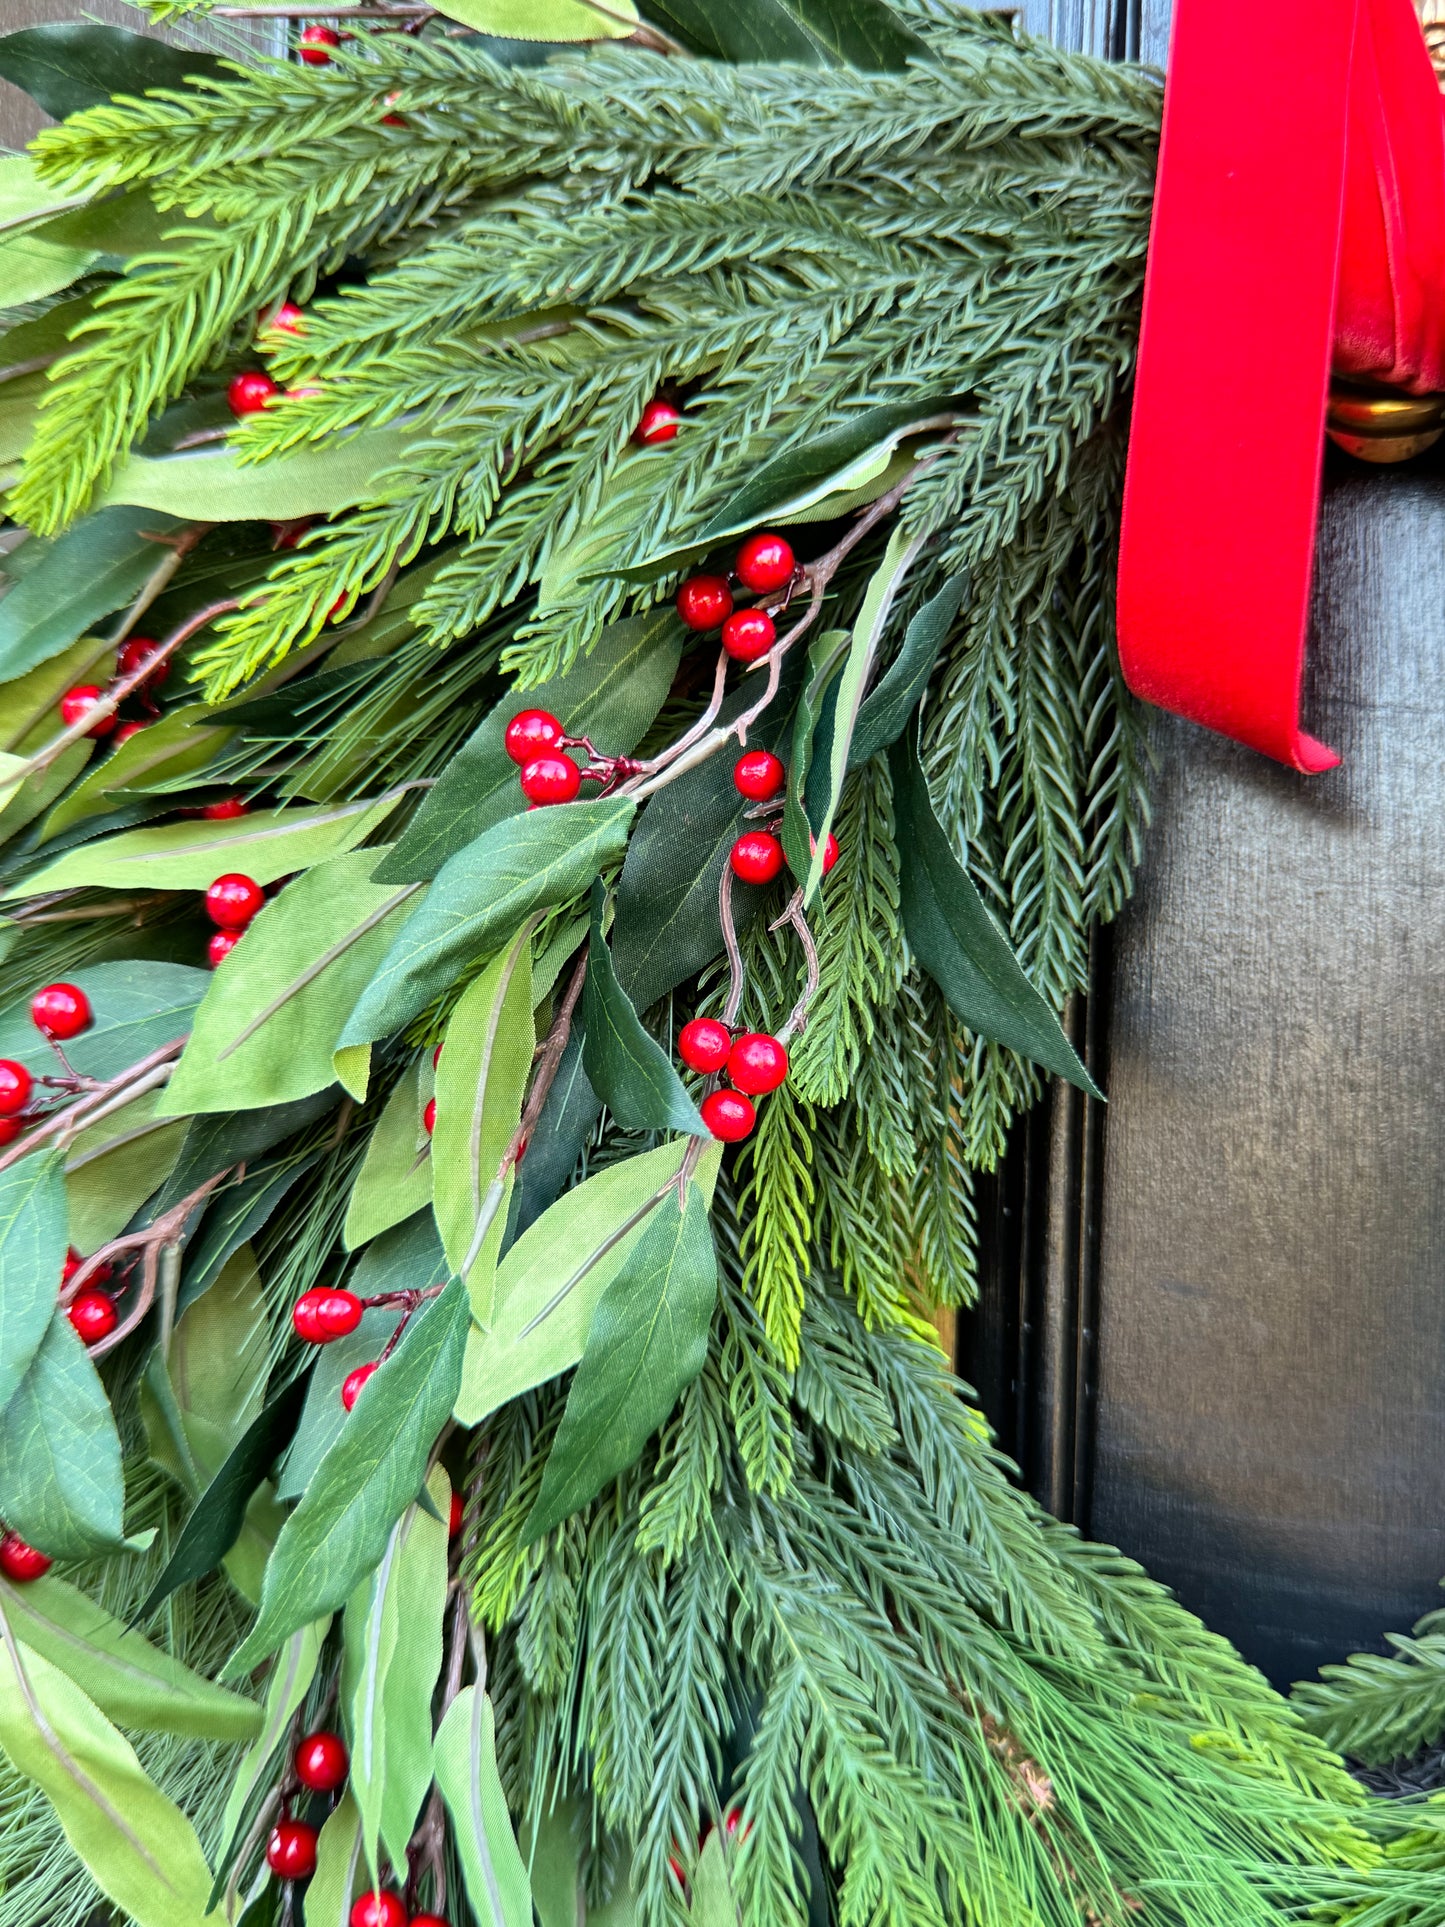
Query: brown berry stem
(99, 1103)
(736, 974)
(798, 1015)
(154, 1244)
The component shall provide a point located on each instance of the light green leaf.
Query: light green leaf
(32, 268)
(481, 896)
(132, 1682)
(626, 1066)
(33, 1238)
(114, 1167)
(60, 1478)
(332, 1888)
(395, 1178)
(138, 1846)
(392, 1655)
(546, 19)
(219, 1362)
(190, 855)
(466, 1772)
(183, 740)
(711, 1902)
(290, 1679)
(25, 198)
(646, 1344)
(481, 1080)
(215, 485)
(339, 1531)
(97, 566)
(30, 705)
(549, 1283)
(267, 1028)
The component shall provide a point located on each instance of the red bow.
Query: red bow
(1299, 224)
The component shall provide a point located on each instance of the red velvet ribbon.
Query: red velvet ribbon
(1299, 224)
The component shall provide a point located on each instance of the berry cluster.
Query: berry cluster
(59, 1012)
(320, 1764)
(765, 564)
(20, 1562)
(733, 1828)
(535, 740)
(231, 902)
(757, 856)
(755, 1062)
(131, 659)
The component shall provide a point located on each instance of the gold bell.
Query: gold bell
(1377, 426)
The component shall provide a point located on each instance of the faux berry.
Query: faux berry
(436, 1056)
(660, 423)
(19, 1561)
(61, 1011)
(759, 775)
(756, 857)
(454, 1516)
(429, 1116)
(378, 1910)
(291, 1850)
(551, 779)
(15, 1087)
(249, 392)
(427, 1920)
(703, 1044)
(757, 1063)
(322, 1762)
(531, 733)
(324, 1313)
(748, 634)
(10, 1129)
(76, 704)
(135, 654)
(728, 1115)
(232, 900)
(733, 1824)
(93, 1315)
(287, 320)
(221, 946)
(314, 45)
(765, 562)
(830, 851)
(352, 1383)
(125, 732)
(226, 810)
(705, 602)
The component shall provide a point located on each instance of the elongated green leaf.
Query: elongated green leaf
(610, 696)
(240, 1211)
(466, 1772)
(481, 1080)
(33, 1239)
(182, 740)
(31, 269)
(267, 1028)
(549, 1283)
(627, 1068)
(95, 567)
(70, 65)
(825, 659)
(132, 1682)
(29, 706)
(60, 1478)
(545, 19)
(112, 1169)
(219, 1362)
(568, 1115)
(138, 1006)
(884, 713)
(391, 1659)
(189, 856)
(287, 1686)
(957, 941)
(333, 1886)
(646, 1344)
(46, 334)
(137, 1845)
(711, 1902)
(215, 485)
(339, 1531)
(864, 34)
(481, 896)
(395, 1178)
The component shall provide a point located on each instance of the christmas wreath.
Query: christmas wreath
(561, 746)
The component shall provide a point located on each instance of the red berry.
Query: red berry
(436, 1056)
(93, 1315)
(757, 1063)
(249, 392)
(324, 1313)
(286, 535)
(126, 731)
(703, 1044)
(232, 900)
(73, 1261)
(314, 45)
(454, 1516)
(322, 1762)
(352, 1383)
(61, 1010)
(378, 1910)
(830, 851)
(19, 1561)
(10, 1129)
(765, 562)
(427, 1920)
(532, 732)
(76, 704)
(758, 774)
(393, 120)
(728, 1115)
(757, 856)
(291, 1850)
(551, 779)
(135, 654)
(748, 634)
(733, 1824)
(676, 1869)
(226, 810)
(705, 602)
(660, 423)
(288, 319)
(15, 1086)
(429, 1116)
(221, 946)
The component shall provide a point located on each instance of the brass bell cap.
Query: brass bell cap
(1356, 410)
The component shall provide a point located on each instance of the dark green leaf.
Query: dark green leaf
(215, 1143)
(563, 1128)
(610, 696)
(864, 34)
(957, 941)
(646, 1344)
(71, 65)
(33, 1238)
(139, 1005)
(628, 1069)
(215, 1524)
(897, 694)
(60, 1479)
(339, 1531)
(95, 567)
(813, 717)
(481, 897)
